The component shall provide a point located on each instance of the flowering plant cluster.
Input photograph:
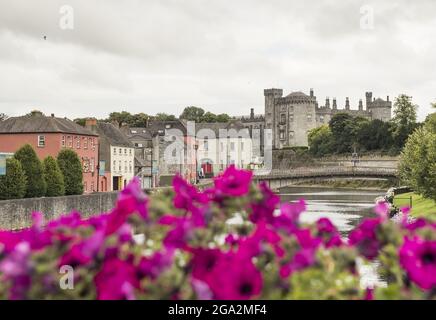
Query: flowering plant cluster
(232, 241)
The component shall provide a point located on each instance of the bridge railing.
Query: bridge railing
(328, 171)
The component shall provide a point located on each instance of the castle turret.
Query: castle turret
(311, 92)
(335, 106)
(360, 105)
(347, 103)
(252, 113)
(327, 102)
(368, 96)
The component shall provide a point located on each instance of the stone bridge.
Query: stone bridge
(281, 178)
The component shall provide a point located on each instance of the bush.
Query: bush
(34, 171)
(53, 178)
(71, 169)
(191, 252)
(13, 185)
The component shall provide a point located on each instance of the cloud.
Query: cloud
(162, 55)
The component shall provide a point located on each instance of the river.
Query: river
(344, 207)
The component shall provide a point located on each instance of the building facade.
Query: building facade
(291, 117)
(48, 136)
(116, 154)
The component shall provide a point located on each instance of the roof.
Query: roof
(159, 127)
(141, 132)
(113, 135)
(217, 126)
(297, 94)
(42, 124)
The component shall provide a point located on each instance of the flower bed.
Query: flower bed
(189, 251)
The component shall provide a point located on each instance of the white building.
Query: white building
(222, 144)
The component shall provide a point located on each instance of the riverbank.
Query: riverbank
(361, 184)
(421, 207)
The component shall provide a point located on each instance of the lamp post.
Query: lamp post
(196, 163)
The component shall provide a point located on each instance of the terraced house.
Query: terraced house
(48, 136)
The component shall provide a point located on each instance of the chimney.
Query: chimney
(252, 113)
(311, 92)
(91, 124)
(347, 103)
(52, 115)
(387, 98)
(360, 105)
(327, 102)
(335, 106)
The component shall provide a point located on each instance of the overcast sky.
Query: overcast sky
(162, 55)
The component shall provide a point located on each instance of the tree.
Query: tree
(164, 117)
(320, 141)
(53, 178)
(418, 161)
(192, 114)
(222, 117)
(36, 186)
(3, 116)
(13, 185)
(374, 135)
(80, 121)
(71, 168)
(404, 119)
(343, 131)
(120, 117)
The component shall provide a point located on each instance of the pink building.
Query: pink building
(48, 136)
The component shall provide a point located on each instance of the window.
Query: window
(63, 141)
(205, 145)
(120, 151)
(115, 151)
(119, 166)
(130, 151)
(282, 134)
(232, 146)
(77, 142)
(134, 131)
(130, 166)
(41, 141)
(92, 164)
(125, 151)
(291, 118)
(92, 142)
(283, 118)
(222, 147)
(70, 141)
(168, 126)
(125, 166)
(85, 143)
(115, 165)
(242, 146)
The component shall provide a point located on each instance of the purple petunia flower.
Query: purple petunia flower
(233, 182)
(364, 237)
(264, 209)
(418, 258)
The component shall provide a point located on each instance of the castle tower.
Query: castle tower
(311, 92)
(360, 105)
(327, 102)
(335, 106)
(347, 103)
(270, 96)
(368, 96)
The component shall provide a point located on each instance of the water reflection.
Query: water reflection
(345, 208)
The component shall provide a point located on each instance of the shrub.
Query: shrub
(53, 178)
(13, 185)
(34, 171)
(71, 169)
(191, 252)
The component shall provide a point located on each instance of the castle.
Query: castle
(291, 117)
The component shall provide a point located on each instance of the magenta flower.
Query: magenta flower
(233, 182)
(186, 194)
(364, 237)
(264, 209)
(418, 258)
(85, 251)
(288, 219)
(154, 265)
(328, 233)
(235, 279)
(181, 232)
(203, 263)
(115, 280)
(301, 260)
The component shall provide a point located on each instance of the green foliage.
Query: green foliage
(374, 135)
(53, 178)
(343, 128)
(199, 115)
(13, 185)
(132, 120)
(164, 117)
(418, 161)
(321, 141)
(404, 119)
(36, 186)
(71, 168)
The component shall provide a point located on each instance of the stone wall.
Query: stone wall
(17, 214)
